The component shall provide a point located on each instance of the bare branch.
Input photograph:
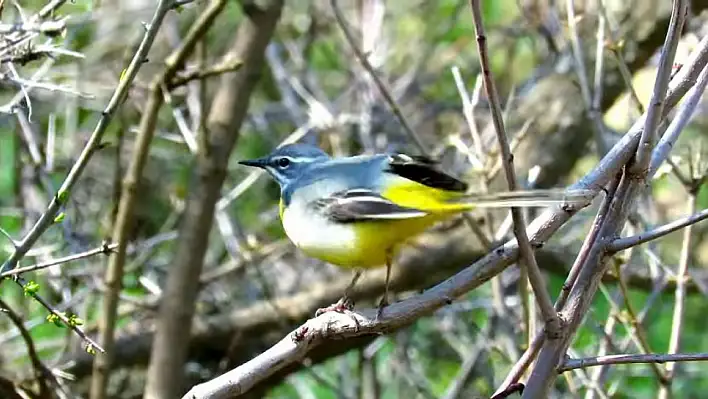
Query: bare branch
(227, 65)
(621, 244)
(539, 287)
(679, 301)
(46, 27)
(586, 285)
(103, 249)
(679, 11)
(688, 107)
(226, 116)
(571, 364)
(522, 364)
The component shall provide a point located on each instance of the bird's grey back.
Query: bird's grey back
(325, 178)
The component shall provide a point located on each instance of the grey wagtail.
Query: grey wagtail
(356, 212)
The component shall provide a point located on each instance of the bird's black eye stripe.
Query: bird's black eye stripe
(283, 162)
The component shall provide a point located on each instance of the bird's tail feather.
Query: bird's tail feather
(530, 198)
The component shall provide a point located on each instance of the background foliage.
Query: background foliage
(311, 82)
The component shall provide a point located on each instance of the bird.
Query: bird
(357, 212)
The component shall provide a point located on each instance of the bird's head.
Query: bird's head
(288, 162)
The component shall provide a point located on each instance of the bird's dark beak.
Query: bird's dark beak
(258, 162)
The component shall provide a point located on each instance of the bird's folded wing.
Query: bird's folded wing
(361, 204)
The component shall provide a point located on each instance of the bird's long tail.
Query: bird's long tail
(530, 198)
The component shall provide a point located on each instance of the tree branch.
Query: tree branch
(571, 364)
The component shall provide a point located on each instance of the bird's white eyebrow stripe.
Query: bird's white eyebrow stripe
(299, 159)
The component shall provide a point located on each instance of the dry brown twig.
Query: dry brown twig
(551, 320)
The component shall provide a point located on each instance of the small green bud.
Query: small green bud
(75, 320)
(60, 217)
(62, 196)
(90, 349)
(30, 288)
(52, 318)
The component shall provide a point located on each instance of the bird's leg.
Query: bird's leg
(384, 299)
(345, 303)
(350, 287)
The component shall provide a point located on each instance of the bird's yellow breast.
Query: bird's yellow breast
(366, 244)
(352, 245)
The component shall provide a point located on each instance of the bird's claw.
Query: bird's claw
(382, 304)
(342, 306)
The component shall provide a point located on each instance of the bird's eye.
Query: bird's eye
(283, 162)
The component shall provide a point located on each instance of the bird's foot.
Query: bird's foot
(382, 304)
(343, 305)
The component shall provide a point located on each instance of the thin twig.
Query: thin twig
(51, 27)
(588, 243)
(571, 364)
(90, 343)
(680, 296)
(606, 345)
(636, 326)
(679, 11)
(41, 373)
(615, 47)
(621, 244)
(667, 141)
(385, 92)
(228, 65)
(592, 112)
(522, 364)
(550, 317)
(468, 113)
(103, 249)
